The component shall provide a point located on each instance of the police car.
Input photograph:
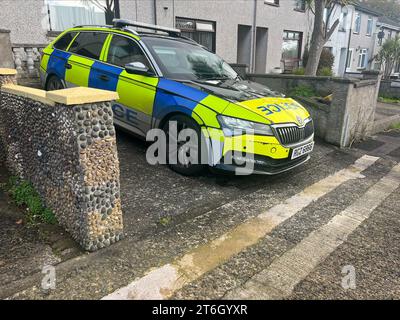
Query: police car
(162, 77)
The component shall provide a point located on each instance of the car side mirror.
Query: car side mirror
(138, 68)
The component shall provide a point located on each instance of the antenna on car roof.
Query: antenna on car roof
(120, 23)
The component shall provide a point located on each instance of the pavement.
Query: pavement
(326, 230)
(386, 116)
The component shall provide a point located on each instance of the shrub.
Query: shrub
(24, 194)
(389, 100)
(303, 91)
(325, 72)
(326, 61)
(299, 71)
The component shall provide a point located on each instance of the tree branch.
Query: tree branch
(332, 30)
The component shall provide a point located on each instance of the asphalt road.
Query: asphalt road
(329, 229)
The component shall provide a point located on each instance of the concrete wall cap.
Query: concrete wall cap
(301, 77)
(81, 95)
(7, 72)
(26, 92)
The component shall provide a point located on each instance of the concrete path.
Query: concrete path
(293, 236)
(386, 116)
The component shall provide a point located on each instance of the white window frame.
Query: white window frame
(349, 61)
(362, 56)
(300, 5)
(357, 26)
(370, 26)
(273, 2)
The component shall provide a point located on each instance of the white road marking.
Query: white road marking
(280, 278)
(162, 282)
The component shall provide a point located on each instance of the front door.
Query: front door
(134, 109)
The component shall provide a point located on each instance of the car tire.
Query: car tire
(54, 83)
(188, 169)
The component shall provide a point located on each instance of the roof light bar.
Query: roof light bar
(120, 23)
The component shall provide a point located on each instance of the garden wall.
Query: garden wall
(349, 116)
(64, 143)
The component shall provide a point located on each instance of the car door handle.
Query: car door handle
(68, 66)
(104, 77)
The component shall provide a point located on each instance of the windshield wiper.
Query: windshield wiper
(216, 78)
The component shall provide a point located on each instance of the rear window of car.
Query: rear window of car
(89, 44)
(64, 41)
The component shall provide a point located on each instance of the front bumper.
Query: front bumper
(254, 154)
(264, 166)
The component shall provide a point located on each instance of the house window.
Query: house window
(68, 14)
(300, 5)
(362, 59)
(274, 2)
(349, 60)
(203, 32)
(357, 23)
(291, 49)
(369, 26)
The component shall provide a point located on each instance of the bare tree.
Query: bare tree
(322, 29)
(108, 6)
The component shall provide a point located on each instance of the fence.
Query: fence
(390, 89)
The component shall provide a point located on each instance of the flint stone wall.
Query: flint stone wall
(7, 76)
(68, 151)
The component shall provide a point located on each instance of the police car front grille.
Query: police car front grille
(293, 134)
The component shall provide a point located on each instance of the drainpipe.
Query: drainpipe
(117, 10)
(155, 11)
(253, 40)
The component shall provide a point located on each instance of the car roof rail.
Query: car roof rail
(120, 23)
(93, 26)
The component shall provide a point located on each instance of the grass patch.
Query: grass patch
(164, 221)
(388, 100)
(325, 72)
(25, 195)
(303, 91)
(395, 126)
(299, 72)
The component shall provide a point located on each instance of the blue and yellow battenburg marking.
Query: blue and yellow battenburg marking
(144, 101)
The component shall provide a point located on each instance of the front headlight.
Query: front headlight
(234, 126)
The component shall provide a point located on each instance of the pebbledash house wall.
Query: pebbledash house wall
(351, 114)
(64, 143)
(29, 23)
(339, 41)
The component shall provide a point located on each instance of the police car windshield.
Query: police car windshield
(181, 60)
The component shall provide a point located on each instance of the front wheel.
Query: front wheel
(54, 83)
(185, 145)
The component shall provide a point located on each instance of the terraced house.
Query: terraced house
(353, 42)
(264, 34)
